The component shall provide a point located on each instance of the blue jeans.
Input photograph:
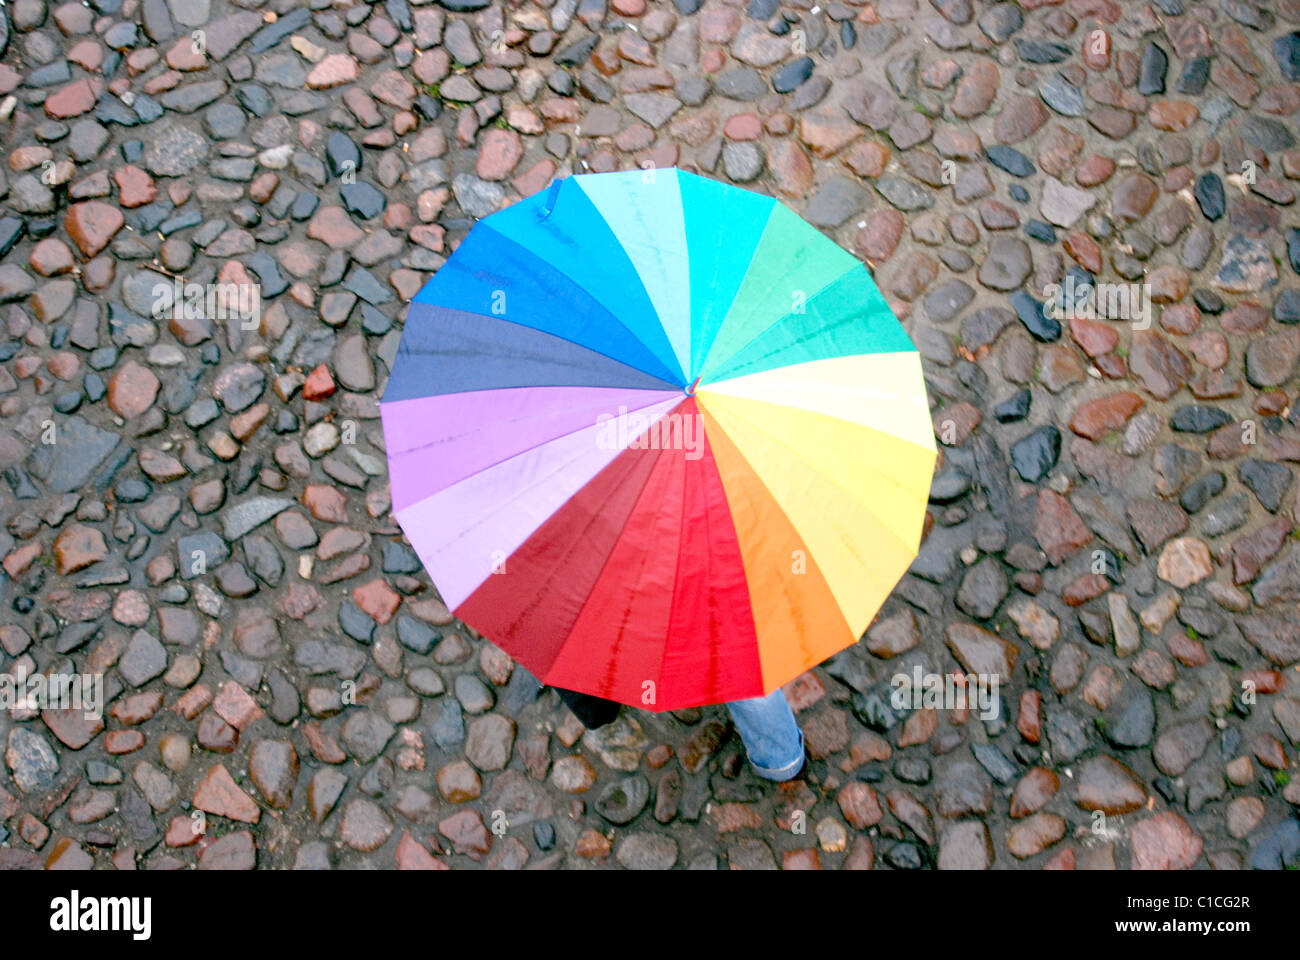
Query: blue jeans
(771, 735)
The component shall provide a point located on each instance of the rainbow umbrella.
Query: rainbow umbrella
(658, 438)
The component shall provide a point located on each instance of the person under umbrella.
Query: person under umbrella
(663, 442)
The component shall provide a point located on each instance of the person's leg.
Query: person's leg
(771, 735)
(594, 712)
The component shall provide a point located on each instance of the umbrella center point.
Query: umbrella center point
(690, 391)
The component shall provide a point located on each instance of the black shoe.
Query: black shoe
(593, 712)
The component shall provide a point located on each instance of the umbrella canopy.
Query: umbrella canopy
(658, 438)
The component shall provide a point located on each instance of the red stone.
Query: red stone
(377, 599)
(333, 71)
(1094, 169)
(499, 154)
(1164, 842)
(319, 384)
(791, 168)
(535, 178)
(1029, 722)
(1057, 527)
(1084, 250)
(132, 390)
(135, 188)
(743, 126)
(77, 547)
(325, 503)
(218, 794)
(1079, 591)
(235, 706)
(1175, 115)
(1095, 418)
(1094, 337)
(1096, 50)
(877, 241)
(92, 224)
(334, 228)
(72, 101)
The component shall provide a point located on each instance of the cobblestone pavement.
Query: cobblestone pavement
(196, 507)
